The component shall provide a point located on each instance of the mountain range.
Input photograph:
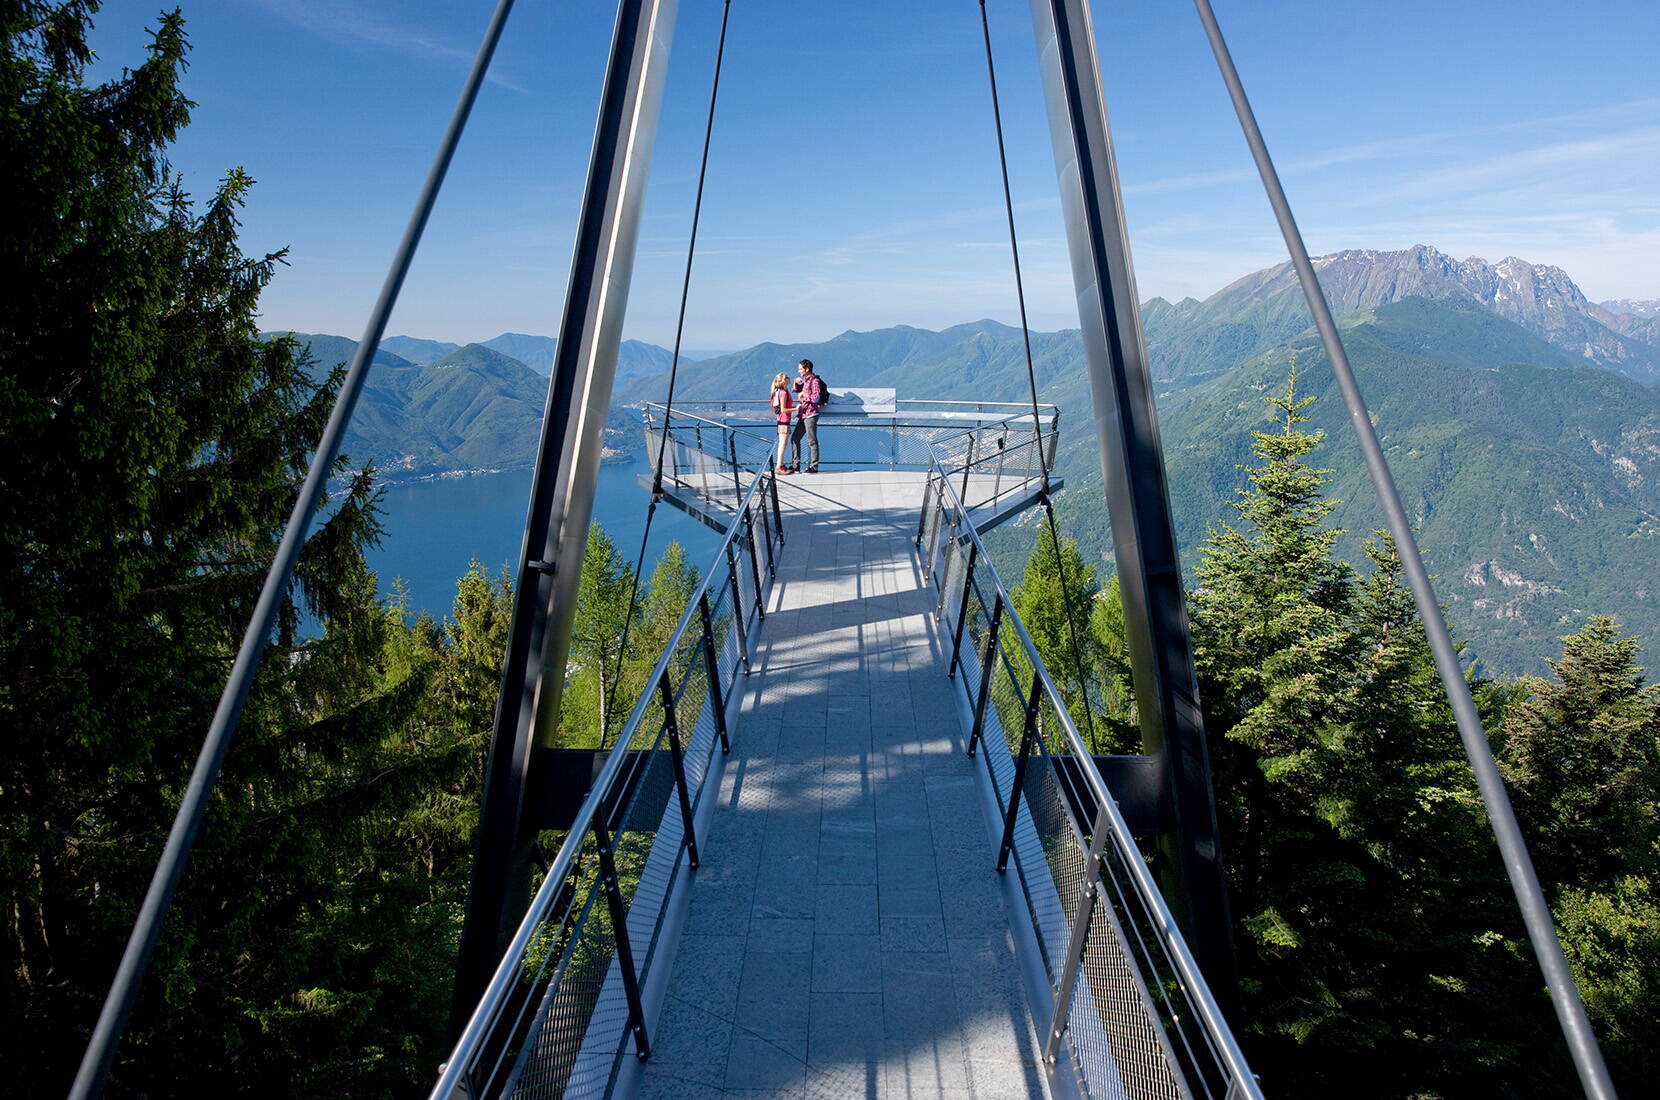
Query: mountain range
(1522, 420)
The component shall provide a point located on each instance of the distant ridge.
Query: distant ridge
(1254, 313)
(1511, 407)
(417, 350)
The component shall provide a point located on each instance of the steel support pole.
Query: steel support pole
(1138, 499)
(711, 668)
(562, 492)
(1524, 880)
(987, 671)
(671, 723)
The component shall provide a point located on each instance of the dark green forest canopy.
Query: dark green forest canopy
(153, 447)
(1381, 953)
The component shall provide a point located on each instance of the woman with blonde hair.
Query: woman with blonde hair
(783, 403)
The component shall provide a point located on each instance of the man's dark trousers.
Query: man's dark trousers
(808, 426)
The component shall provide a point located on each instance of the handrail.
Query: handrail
(495, 994)
(1193, 982)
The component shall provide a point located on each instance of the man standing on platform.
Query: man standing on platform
(811, 388)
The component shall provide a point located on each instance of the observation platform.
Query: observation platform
(846, 935)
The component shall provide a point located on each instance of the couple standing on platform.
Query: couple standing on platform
(811, 388)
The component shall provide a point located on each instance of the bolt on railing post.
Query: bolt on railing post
(672, 722)
(1088, 893)
(962, 610)
(739, 626)
(619, 927)
(986, 673)
(754, 567)
(711, 667)
(1027, 736)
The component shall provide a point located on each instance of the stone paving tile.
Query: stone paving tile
(846, 936)
(682, 1079)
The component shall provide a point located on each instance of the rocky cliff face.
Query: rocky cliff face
(1540, 298)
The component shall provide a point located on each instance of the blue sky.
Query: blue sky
(853, 179)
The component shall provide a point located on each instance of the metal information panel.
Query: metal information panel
(852, 402)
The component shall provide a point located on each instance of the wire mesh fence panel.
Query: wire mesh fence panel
(550, 1051)
(563, 1013)
(1112, 1026)
(1132, 1024)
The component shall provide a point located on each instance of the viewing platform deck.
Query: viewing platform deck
(846, 934)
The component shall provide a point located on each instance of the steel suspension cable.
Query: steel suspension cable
(1031, 380)
(135, 959)
(1524, 880)
(674, 362)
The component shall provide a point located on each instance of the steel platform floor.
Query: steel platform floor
(846, 935)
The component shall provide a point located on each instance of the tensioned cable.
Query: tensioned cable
(135, 960)
(1536, 914)
(674, 363)
(1031, 379)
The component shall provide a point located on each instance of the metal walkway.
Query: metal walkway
(846, 935)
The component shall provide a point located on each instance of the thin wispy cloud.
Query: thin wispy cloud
(1398, 148)
(346, 23)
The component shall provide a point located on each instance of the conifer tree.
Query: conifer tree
(153, 446)
(1042, 600)
(1582, 756)
(1372, 923)
(596, 639)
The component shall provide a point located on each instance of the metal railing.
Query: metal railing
(1130, 1002)
(706, 436)
(564, 1005)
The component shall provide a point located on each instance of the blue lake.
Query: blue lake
(434, 528)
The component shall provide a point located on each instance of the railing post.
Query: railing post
(1088, 893)
(737, 486)
(945, 572)
(739, 626)
(997, 485)
(619, 926)
(777, 516)
(754, 568)
(987, 671)
(962, 610)
(702, 458)
(672, 722)
(968, 465)
(766, 540)
(1027, 736)
(717, 698)
(922, 520)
